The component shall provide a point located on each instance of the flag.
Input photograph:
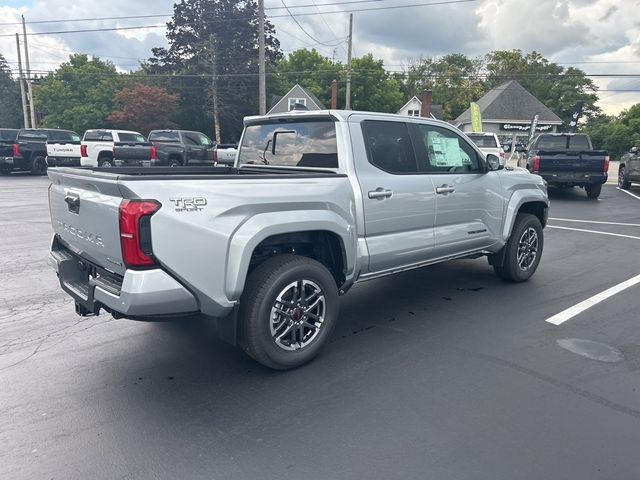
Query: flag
(534, 124)
(476, 117)
(575, 116)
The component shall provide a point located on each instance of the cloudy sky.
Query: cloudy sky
(598, 36)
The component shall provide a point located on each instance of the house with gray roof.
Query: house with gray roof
(508, 109)
(297, 95)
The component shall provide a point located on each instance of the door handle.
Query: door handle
(444, 189)
(380, 193)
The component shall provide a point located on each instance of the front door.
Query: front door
(633, 166)
(399, 201)
(469, 203)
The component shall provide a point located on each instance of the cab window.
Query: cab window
(443, 151)
(389, 146)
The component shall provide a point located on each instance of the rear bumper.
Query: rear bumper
(574, 178)
(139, 293)
(139, 163)
(63, 162)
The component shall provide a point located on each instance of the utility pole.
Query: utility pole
(21, 82)
(347, 103)
(214, 90)
(26, 60)
(262, 80)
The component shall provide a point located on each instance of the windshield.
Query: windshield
(484, 141)
(291, 144)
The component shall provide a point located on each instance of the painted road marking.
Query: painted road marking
(628, 193)
(595, 221)
(594, 231)
(569, 313)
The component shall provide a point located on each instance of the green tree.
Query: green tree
(616, 134)
(79, 94)
(144, 108)
(10, 104)
(216, 41)
(373, 88)
(559, 88)
(309, 69)
(455, 79)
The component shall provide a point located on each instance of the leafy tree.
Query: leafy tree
(79, 95)
(455, 79)
(144, 108)
(217, 41)
(309, 69)
(373, 88)
(10, 103)
(616, 134)
(559, 88)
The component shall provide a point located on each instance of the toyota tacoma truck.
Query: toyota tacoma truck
(567, 160)
(316, 202)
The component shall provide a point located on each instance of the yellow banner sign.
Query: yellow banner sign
(476, 117)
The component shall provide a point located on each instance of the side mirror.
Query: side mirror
(494, 162)
(633, 150)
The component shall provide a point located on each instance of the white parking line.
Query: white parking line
(594, 231)
(594, 221)
(569, 313)
(628, 193)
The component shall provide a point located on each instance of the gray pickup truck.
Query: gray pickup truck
(316, 202)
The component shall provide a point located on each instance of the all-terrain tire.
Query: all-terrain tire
(262, 300)
(593, 190)
(623, 183)
(523, 251)
(39, 166)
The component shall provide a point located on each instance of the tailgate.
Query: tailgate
(572, 161)
(85, 216)
(65, 150)
(132, 151)
(6, 149)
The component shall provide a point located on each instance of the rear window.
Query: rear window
(484, 141)
(164, 137)
(63, 136)
(92, 136)
(292, 144)
(131, 137)
(33, 135)
(8, 135)
(563, 142)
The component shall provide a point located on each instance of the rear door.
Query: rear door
(399, 200)
(469, 199)
(195, 151)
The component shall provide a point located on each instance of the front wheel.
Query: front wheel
(593, 190)
(523, 250)
(623, 183)
(287, 311)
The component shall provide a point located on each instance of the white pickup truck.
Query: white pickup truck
(97, 145)
(316, 202)
(63, 149)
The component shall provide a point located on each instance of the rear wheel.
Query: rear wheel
(175, 162)
(105, 162)
(287, 311)
(623, 183)
(593, 190)
(39, 166)
(523, 250)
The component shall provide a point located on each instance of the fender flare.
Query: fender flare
(259, 227)
(519, 198)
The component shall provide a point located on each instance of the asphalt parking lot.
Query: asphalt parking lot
(444, 372)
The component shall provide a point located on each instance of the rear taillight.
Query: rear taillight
(154, 152)
(16, 150)
(83, 151)
(606, 163)
(536, 164)
(135, 232)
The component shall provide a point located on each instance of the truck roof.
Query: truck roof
(341, 115)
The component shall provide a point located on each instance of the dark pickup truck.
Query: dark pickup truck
(7, 140)
(29, 150)
(166, 148)
(567, 160)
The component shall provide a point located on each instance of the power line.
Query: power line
(300, 26)
(331, 12)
